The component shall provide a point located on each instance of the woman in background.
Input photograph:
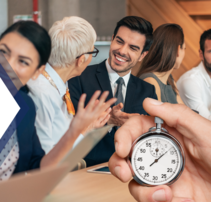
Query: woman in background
(27, 46)
(165, 54)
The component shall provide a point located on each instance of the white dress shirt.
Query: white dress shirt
(195, 90)
(113, 77)
(52, 119)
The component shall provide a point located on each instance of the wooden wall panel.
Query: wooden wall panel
(196, 7)
(148, 11)
(203, 21)
(176, 14)
(170, 11)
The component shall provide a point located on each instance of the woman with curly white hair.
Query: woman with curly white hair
(72, 49)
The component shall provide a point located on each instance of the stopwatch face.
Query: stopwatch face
(156, 160)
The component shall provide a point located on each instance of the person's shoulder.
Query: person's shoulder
(151, 80)
(191, 79)
(141, 82)
(41, 84)
(45, 97)
(193, 73)
(88, 74)
(143, 89)
(41, 88)
(25, 96)
(28, 100)
(93, 68)
(46, 100)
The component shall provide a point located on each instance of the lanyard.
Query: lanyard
(47, 76)
(66, 98)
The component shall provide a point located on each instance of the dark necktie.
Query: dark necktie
(119, 94)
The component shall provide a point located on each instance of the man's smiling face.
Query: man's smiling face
(207, 55)
(126, 50)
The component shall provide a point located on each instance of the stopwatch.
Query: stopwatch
(156, 157)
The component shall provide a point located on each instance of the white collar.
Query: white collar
(206, 76)
(113, 76)
(61, 86)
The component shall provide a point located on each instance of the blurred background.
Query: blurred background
(194, 16)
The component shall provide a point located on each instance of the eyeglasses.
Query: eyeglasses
(94, 53)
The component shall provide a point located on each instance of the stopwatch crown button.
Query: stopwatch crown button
(158, 120)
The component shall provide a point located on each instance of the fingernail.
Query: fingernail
(117, 171)
(155, 102)
(159, 195)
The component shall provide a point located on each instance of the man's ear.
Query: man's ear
(38, 72)
(201, 55)
(143, 55)
(80, 61)
(112, 37)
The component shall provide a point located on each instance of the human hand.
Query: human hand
(87, 115)
(117, 117)
(99, 122)
(84, 117)
(191, 130)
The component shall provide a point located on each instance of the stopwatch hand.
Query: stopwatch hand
(156, 160)
(153, 162)
(162, 155)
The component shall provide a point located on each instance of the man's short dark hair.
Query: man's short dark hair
(206, 35)
(137, 24)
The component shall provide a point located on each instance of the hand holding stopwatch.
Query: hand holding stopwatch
(161, 148)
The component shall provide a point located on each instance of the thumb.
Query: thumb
(179, 116)
(150, 194)
(173, 114)
(118, 107)
(160, 193)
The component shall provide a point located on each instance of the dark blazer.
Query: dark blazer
(96, 77)
(30, 151)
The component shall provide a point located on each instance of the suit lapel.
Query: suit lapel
(103, 79)
(130, 94)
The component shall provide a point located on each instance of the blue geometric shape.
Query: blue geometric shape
(12, 82)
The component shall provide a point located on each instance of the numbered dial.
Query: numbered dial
(156, 148)
(156, 160)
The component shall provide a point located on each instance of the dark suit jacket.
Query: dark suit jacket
(30, 151)
(96, 77)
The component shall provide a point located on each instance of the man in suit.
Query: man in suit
(130, 43)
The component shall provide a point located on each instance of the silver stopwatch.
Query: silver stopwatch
(156, 157)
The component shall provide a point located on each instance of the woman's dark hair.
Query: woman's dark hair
(138, 24)
(206, 35)
(163, 51)
(36, 34)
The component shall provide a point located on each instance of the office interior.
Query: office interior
(194, 16)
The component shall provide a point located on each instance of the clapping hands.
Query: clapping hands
(96, 112)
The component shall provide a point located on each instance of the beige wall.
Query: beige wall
(3, 15)
(18, 7)
(58, 9)
(102, 14)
